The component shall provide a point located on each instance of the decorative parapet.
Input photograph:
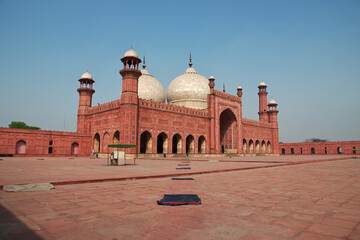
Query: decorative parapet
(227, 96)
(45, 132)
(255, 123)
(104, 107)
(172, 108)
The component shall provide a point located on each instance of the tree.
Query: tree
(22, 125)
(315, 140)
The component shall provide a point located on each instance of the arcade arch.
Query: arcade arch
(162, 143)
(20, 147)
(97, 143)
(190, 144)
(201, 145)
(176, 144)
(145, 142)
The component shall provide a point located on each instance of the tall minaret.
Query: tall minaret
(129, 100)
(85, 98)
(273, 119)
(263, 115)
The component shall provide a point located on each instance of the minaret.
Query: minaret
(129, 101)
(263, 116)
(211, 110)
(273, 112)
(85, 99)
(130, 74)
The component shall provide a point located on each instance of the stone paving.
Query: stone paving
(318, 200)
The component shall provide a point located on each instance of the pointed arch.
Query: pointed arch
(116, 138)
(176, 144)
(268, 147)
(257, 147)
(20, 147)
(201, 145)
(228, 131)
(96, 143)
(190, 144)
(263, 147)
(145, 142)
(162, 143)
(244, 146)
(251, 146)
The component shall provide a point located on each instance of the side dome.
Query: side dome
(190, 89)
(86, 75)
(150, 88)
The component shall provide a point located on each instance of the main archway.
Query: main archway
(228, 130)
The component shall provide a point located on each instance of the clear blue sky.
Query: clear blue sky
(308, 53)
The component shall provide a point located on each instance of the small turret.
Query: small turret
(272, 111)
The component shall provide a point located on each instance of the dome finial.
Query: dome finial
(224, 90)
(190, 63)
(144, 65)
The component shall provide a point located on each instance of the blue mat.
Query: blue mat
(180, 199)
(182, 178)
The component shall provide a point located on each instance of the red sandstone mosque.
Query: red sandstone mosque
(196, 119)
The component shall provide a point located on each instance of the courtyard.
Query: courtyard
(283, 197)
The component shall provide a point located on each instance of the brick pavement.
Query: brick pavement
(308, 201)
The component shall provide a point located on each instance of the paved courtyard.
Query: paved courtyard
(242, 198)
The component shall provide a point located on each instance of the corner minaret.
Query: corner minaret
(273, 119)
(263, 115)
(85, 99)
(129, 101)
(130, 74)
(272, 111)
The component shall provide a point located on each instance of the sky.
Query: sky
(307, 52)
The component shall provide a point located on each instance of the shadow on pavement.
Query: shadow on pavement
(12, 228)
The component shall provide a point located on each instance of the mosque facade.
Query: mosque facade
(191, 118)
(196, 119)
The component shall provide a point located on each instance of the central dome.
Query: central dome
(150, 88)
(190, 89)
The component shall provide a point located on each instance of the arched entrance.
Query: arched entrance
(74, 148)
(162, 142)
(268, 147)
(176, 144)
(244, 146)
(257, 147)
(251, 146)
(228, 131)
(97, 143)
(190, 144)
(116, 138)
(20, 147)
(107, 141)
(201, 145)
(145, 142)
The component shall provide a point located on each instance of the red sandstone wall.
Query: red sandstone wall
(37, 142)
(319, 148)
(183, 123)
(258, 131)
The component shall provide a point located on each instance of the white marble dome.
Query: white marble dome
(262, 84)
(272, 101)
(131, 53)
(150, 88)
(86, 75)
(190, 89)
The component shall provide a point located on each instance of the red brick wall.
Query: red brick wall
(320, 148)
(38, 142)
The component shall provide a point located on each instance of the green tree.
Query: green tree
(22, 125)
(315, 140)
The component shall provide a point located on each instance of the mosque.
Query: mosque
(191, 118)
